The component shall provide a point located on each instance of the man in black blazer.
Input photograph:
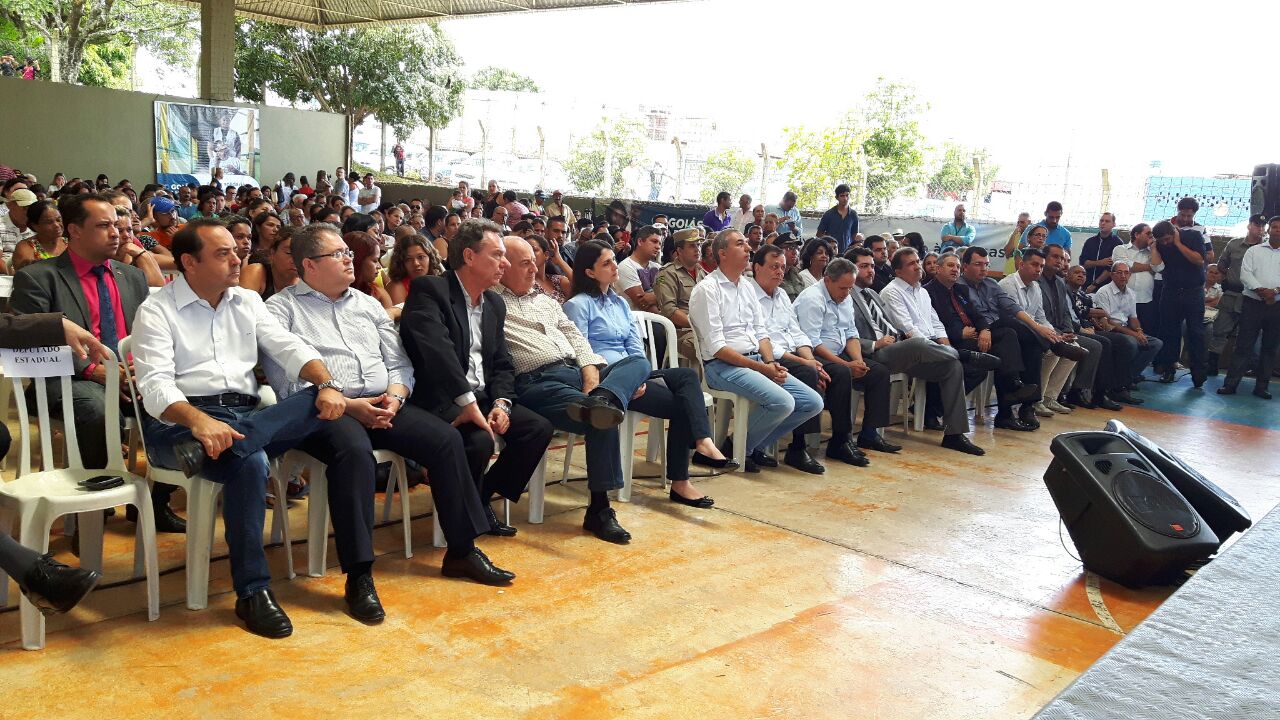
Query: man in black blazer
(79, 283)
(453, 330)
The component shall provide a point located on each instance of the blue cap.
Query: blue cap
(162, 205)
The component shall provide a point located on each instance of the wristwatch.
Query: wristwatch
(401, 398)
(330, 384)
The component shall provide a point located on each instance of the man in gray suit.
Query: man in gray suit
(918, 356)
(100, 295)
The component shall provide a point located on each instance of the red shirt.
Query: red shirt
(89, 284)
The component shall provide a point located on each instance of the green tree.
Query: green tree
(499, 78)
(408, 77)
(725, 171)
(955, 173)
(817, 160)
(894, 148)
(68, 29)
(619, 141)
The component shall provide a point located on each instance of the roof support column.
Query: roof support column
(217, 50)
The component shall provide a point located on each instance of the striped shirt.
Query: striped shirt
(539, 333)
(354, 336)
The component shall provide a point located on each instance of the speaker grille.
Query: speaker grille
(1154, 504)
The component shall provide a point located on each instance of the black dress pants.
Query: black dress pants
(838, 398)
(524, 444)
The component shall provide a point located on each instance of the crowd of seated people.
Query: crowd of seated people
(437, 332)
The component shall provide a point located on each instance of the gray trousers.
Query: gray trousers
(1087, 369)
(1227, 323)
(927, 360)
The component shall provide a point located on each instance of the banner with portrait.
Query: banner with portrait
(195, 141)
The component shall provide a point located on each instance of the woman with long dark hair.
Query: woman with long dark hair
(276, 271)
(367, 269)
(674, 394)
(412, 258)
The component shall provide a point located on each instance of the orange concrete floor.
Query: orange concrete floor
(930, 585)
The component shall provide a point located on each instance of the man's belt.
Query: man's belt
(227, 399)
(562, 362)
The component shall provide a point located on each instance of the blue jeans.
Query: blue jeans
(242, 471)
(549, 391)
(776, 410)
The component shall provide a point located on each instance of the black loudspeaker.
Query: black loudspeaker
(1127, 521)
(1221, 511)
(1265, 195)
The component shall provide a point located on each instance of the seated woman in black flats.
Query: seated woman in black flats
(673, 394)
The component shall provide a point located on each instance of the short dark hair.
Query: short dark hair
(521, 226)
(36, 211)
(722, 195)
(842, 189)
(900, 257)
(556, 218)
(1033, 252)
(1164, 228)
(873, 239)
(971, 251)
(764, 253)
(358, 222)
(1188, 203)
(435, 214)
(1053, 206)
(585, 259)
(187, 240)
(858, 251)
(74, 211)
(1274, 218)
(470, 235)
(838, 268)
(307, 241)
(811, 248)
(509, 195)
(645, 232)
(1140, 227)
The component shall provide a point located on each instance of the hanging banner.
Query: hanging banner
(193, 141)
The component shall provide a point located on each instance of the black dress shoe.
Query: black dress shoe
(1264, 394)
(496, 526)
(1022, 392)
(1069, 351)
(263, 616)
(704, 461)
(879, 445)
(959, 442)
(362, 599)
(1227, 390)
(56, 588)
(844, 452)
(1078, 398)
(1167, 377)
(750, 466)
(763, 459)
(190, 457)
(703, 502)
(476, 566)
(1010, 422)
(934, 424)
(604, 525)
(1107, 403)
(1197, 381)
(595, 411)
(1123, 396)
(980, 360)
(167, 521)
(1027, 416)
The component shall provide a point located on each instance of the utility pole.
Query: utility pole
(679, 168)
(484, 154)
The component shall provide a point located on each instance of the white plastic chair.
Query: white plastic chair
(398, 481)
(905, 390)
(202, 506)
(725, 403)
(38, 498)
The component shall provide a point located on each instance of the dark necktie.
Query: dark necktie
(877, 317)
(107, 331)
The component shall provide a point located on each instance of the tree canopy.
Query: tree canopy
(954, 177)
(624, 140)
(408, 77)
(499, 78)
(725, 171)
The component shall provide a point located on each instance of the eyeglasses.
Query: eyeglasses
(336, 255)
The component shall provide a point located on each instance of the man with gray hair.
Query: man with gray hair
(362, 348)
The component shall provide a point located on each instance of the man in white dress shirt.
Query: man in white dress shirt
(1260, 314)
(739, 357)
(1142, 273)
(1123, 327)
(1061, 357)
(196, 343)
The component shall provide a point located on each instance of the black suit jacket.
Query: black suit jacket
(941, 298)
(53, 286)
(437, 336)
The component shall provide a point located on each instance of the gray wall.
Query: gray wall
(48, 127)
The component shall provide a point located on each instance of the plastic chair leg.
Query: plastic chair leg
(656, 444)
(740, 410)
(6, 527)
(537, 491)
(627, 448)
(202, 508)
(147, 525)
(280, 519)
(568, 458)
(91, 530)
(35, 527)
(318, 522)
(920, 399)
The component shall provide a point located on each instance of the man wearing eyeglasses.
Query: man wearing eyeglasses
(354, 336)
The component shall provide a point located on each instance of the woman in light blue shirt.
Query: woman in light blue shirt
(673, 394)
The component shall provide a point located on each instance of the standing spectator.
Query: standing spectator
(1142, 273)
(492, 200)
(557, 208)
(516, 210)
(539, 206)
(841, 221)
(1229, 305)
(1096, 255)
(1185, 219)
(8, 65)
(284, 189)
(1260, 276)
(741, 215)
(1056, 234)
(30, 69)
(1015, 243)
(957, 233)
(1182, 299)
(788, 216)
(717, 218)
(398, 153)
(368, 197)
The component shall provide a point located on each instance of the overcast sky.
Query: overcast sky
(1117, 84)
